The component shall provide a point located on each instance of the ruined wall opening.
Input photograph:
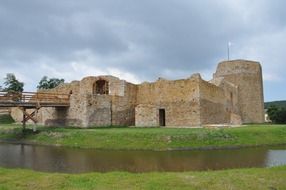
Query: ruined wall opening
(162, 117)
(101, 87)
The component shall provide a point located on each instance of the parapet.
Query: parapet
(237, 67)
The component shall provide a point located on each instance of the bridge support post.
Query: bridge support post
(30, 116)
(24, 119)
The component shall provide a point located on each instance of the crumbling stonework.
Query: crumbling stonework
(233, 96)
(247, 76)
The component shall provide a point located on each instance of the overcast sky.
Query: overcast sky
(141, 40)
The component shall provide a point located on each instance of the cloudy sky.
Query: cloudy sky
(141, 40)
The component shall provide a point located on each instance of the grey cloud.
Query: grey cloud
(148, 38)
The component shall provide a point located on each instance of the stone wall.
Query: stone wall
(98, 110)
(165, 91)
(179, 98)
(146, 115)
(123, 107)
(116, 86)
(247, 75)
(219, 102)
(88, 109)
(213, 104)
(45, 116)
(230, 99)
(233, 96)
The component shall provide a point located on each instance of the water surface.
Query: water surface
(70, 160)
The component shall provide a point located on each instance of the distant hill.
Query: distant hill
(281, 103)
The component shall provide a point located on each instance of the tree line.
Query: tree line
(277, 114)
(12, 84)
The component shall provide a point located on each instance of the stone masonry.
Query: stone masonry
(233, 96)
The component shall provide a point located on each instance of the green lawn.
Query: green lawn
(154, 139)
(150, 138)
(262, 179)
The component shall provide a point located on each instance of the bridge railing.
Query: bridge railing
(34, 97)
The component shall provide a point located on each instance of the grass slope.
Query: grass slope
(150, 138)
(262, 179)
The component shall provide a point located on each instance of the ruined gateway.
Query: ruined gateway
(233, 96)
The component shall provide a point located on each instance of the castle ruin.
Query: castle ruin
(233, 96)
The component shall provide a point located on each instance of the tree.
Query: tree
(12, 84)
(43, 84)
(281, 116)
(272, 112)
(276, 114)
(46, 83)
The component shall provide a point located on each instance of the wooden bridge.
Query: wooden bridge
(34, 101)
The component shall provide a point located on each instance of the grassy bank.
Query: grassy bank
(6, 119)
(150, 138)
(262, 179)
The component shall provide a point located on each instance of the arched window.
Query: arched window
(101, 87)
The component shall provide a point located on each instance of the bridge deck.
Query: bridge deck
(33, 99)
(32, 105)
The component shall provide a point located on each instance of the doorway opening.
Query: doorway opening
(162, 117)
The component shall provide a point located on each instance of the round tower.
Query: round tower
(247, 75)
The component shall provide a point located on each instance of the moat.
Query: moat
(70, 160)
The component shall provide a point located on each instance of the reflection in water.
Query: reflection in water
(59, 159)
(276, 157)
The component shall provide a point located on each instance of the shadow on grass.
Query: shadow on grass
(20, 133)
(43, 128)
